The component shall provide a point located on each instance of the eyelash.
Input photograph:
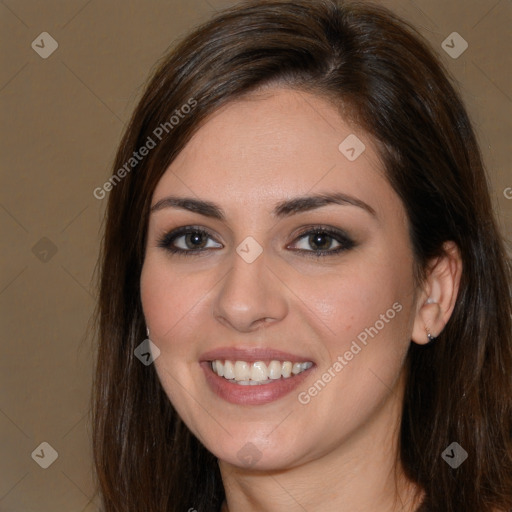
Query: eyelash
(346, 243)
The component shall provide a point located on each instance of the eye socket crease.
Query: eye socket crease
(283, 209)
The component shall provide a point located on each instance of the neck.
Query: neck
(362, 474)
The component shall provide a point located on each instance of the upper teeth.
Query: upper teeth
(258, 372)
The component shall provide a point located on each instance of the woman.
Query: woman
(300, 222)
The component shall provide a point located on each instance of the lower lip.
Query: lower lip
(251, 395)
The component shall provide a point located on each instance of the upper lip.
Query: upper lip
(251, 355)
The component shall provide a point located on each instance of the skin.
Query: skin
(339, 451)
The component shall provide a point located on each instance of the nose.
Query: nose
(250, 296)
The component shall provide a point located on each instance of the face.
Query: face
(278, 257)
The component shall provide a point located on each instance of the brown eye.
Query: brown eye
(195, 240)
(320, 241)
(188, 240)
(323, 242)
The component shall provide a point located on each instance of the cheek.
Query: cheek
(378, 290)
(169, 302)
(365, 299)
(167, 298)
(368, 317)
(372, 317)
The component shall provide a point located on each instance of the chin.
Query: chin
(257, 452)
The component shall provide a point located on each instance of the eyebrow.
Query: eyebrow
(282, 209)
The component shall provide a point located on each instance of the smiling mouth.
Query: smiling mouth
(259, 372)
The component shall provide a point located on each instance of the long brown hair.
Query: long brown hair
(374, 66)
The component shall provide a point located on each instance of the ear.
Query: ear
(438, 295)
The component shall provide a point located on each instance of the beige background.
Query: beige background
(62, 118)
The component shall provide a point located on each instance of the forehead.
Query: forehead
(275, 144)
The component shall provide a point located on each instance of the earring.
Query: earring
(430, 300)
(147, 331)
(429, 336)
